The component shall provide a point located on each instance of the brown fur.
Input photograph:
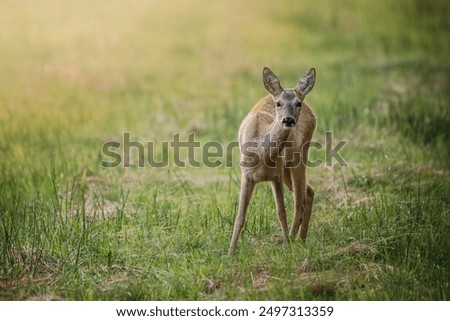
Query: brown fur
(266, 118)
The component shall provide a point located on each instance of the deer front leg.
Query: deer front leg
(299, 189)
(244, 199)
(277, 188)
(307, 212)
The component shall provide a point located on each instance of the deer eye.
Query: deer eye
(298, 104)
(278, 104)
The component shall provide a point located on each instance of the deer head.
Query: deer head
(288, 102)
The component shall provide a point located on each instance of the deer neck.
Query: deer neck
(274, 141)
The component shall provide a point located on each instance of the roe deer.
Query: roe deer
(274, 141)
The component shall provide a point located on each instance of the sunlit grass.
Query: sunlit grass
(77, 75)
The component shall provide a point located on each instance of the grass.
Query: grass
(77, 75)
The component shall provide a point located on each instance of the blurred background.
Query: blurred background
(74, 75)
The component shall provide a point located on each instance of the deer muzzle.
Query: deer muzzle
(288, 122)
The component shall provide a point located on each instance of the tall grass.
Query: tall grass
(72, 230)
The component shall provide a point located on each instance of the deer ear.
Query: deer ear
(306, 83)
(271, 82)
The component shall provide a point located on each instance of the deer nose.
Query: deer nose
(288, 121)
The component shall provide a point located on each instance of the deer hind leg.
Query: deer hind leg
(287, 179)
(307, 212)
(277, 188)
(244, 199)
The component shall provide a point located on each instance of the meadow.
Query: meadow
(79, 74)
